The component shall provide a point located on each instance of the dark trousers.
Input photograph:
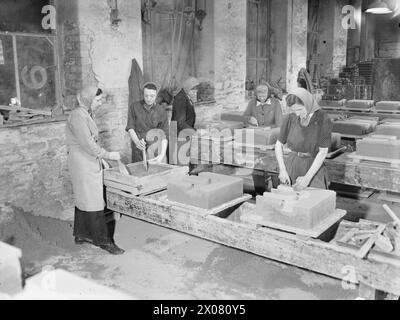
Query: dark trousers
(97, 227)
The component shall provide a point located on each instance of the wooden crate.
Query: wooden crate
(156, 179)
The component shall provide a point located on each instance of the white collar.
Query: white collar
(266, 102)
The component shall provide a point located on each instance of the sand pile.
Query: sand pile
(39, 238)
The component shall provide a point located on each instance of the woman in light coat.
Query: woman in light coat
(92, 224)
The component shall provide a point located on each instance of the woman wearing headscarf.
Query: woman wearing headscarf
(183, 107)
(92, 223)
(264, 110)
(307, 132)
(148, 127)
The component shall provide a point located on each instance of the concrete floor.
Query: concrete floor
(164, 264)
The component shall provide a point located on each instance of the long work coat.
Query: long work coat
(84, 161)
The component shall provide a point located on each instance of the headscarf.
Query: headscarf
(273, 90)
(310, 103)
(86, 95)
(263, 88)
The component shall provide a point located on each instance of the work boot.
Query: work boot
(112, 248)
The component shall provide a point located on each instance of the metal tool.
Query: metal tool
(145, 163)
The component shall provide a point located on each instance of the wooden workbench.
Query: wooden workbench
(380, 115)
(342, 170)
(377, 271)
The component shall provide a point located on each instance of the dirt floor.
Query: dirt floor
(164, 264)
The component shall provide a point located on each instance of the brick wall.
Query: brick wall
(94, 52)
(33, 170)
(33, 163)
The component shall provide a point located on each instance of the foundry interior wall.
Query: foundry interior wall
(33, 169)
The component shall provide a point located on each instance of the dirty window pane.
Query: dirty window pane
(37, 69)
(23, 16)
(7, 70)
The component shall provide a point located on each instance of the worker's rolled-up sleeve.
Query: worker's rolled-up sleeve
(131, 118)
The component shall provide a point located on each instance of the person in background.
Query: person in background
(264, 110)
(93, 223)
(143, 117)
(307, 132)
(183, 107)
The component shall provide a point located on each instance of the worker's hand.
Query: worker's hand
(301, 183)
(114, 156)
(253, 121)
(141, 145)
(284, 178)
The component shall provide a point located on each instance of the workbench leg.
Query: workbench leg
(368, 293)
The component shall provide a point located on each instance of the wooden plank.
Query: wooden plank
(361, 110)
(123, 187)
(315, 233)
(381, 116)
(353, 136)
(395, 163)
(328, 108)
(142, 185)
(212, 211)
(392, 215)
(32, 111)
(380, 272)
(389, 196)
(121, 192)
(370, 243)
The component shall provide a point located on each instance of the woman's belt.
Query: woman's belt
(302, 154)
